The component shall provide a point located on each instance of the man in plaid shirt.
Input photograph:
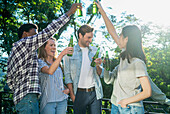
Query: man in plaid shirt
(22, 73)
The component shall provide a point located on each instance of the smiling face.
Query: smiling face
(85, 40)
(50, 48)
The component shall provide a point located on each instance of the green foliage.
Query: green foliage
(158, 56)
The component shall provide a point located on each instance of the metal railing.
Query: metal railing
(151, 107)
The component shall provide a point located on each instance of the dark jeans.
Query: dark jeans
(87, 100)
(28, 105)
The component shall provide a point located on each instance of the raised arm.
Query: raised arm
(50, 70)
(110, 27)
(34, 42)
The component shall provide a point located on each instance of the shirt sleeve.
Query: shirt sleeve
(67, 71)
(140, 69)
(34, 42)
(41, 64)
(109, 77)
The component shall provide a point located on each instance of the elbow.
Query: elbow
(148, 93)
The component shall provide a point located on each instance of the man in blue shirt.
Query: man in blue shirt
(83, 80)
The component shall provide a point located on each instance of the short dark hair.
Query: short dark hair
(26, 28)
(84, 29)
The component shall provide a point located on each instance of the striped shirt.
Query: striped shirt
(22, 72)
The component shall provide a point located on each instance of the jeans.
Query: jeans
(28, 105)
(128, 110)
(114, 109)
(55, 108)
(84, 100)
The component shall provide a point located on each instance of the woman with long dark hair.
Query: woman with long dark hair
(54, 94)
(130, 78)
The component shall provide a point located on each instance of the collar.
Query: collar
(77, 48)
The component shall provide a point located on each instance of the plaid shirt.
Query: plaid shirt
(22, 73)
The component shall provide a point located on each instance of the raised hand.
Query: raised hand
(74, 8)
(99, 6)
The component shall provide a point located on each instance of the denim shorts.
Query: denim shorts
(130, 109)
(28, 105)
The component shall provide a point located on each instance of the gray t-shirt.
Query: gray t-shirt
(51, 86)
(125, 80)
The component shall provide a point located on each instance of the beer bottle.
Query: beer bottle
(107, 62)
(94, 9)
(93, 64)
(70, 44)
(79, 12)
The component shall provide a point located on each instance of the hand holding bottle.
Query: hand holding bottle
(93, 64)
(70, 45)
(68, 50)
(74, 8)
(98, 61)
(99, 6)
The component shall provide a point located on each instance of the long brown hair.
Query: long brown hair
(43, 55)
(134, 44)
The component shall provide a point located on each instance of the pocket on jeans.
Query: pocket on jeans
(125, 110)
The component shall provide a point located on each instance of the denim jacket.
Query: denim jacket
(72, 69)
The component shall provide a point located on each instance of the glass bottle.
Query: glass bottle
(79, 12)
(93, 64)
(70, 44)
(94, 9)
(107, 62)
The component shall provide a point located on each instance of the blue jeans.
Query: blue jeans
(84, 100)
(114, 109)
(128, 110)
(55, 108)
(28, 105)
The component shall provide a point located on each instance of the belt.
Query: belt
(86, 89)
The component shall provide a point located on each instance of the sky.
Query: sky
(156, 11)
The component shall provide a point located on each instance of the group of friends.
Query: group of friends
(32, 77)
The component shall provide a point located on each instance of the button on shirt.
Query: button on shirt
(22, 72)
(51, 86)
(72, 69)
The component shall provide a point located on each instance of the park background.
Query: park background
(150, 16)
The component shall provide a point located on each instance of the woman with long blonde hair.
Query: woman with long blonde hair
(54, 94)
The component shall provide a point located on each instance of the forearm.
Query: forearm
(70, 87)
(139, 97)
(55, 65)
(108, 79)
(99, 70)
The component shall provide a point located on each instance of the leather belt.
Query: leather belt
(86, 89)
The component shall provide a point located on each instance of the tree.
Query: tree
(158, 55)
